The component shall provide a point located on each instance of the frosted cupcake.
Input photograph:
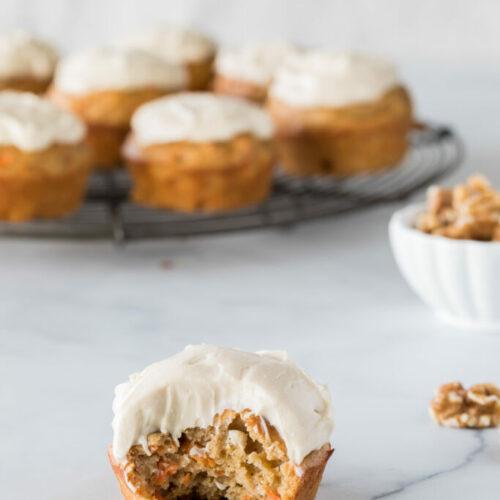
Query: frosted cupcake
(26, 63)
(200, 152)
(339, 114)
(104, 86)
(247, 72)
(44, 163)
(193, 51)
(219, 423)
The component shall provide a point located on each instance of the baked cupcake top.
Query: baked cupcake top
(174, 44)
(109, 68)
(254, 63)
(31, 123)
(326, 79)
(190, 388)
(198, 117)
(23, 56)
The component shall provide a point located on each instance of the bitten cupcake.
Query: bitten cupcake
(26, 63)
(248, 71)
(192, 50)
(104, 86)
(44, 163)
(218, 423)
(200, 152)
(339, 114)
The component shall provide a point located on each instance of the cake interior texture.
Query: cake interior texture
(239, 457)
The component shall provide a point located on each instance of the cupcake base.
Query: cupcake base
(107, 114)
(26, 84)
(343, 154)
(344, 141)
(200, 74)
(239, 88)
(233, 463)
(46, 184)
(105, 143)
(306, 488)
(204, 177)
(113, 108)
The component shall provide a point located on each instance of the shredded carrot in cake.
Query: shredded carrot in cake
(239, 457)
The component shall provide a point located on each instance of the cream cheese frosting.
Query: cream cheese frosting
(254, 63)
(31, 123)
(190, 388)
(24, 56)
(327, 79)
(110, 68)
(176, 45)
(198, 117)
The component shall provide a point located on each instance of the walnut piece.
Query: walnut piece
(475, 408)
(467, 211)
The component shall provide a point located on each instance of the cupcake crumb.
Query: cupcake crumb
(166, 264)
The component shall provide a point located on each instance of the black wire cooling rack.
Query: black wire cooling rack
(435, 152)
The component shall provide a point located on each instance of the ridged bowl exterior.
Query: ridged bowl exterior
(458, 279)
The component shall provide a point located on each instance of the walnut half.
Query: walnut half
(467, 211)
(475, 408)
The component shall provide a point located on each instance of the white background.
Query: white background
(77, 317)
(444, 31)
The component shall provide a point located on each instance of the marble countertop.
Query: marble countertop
(78, 317)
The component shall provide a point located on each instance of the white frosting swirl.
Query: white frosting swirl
(31, 123)
(109, 68)
(325, 79)
(190, 388)
(22, 55)
(254, 63)
(174, 44)
(198, 117)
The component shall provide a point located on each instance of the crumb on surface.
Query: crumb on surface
(166, 264)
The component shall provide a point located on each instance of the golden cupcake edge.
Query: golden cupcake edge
(49, 183)
(200, 73)
(349, 140)
(26, 84)
(235, 440)
(107, 114)
(205, 177)
(239, 88)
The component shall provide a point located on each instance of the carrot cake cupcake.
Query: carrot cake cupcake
(247, 72)
(200, 152)
(193, 51)
(104, 86)
(26, 63)
(339, 114)
(44, 162)
(216, 423)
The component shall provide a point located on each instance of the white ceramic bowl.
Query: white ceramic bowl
(458, 279)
